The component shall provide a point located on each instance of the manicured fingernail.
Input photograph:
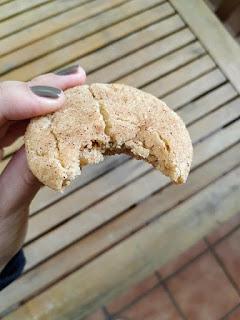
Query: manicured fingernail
(69, 70)
(46, 92)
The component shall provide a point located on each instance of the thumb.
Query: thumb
(17, 184)
(20, 100)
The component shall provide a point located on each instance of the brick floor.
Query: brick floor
(224, 229)
(132, 294)
(200, 287)
(183, 259)
(155, 305)
(202, 290)
(229, 253)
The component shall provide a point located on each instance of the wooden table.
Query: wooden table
(121, 219)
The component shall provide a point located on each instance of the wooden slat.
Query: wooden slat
(217, 40)
(134, 41)
(179, 77)
(15, 7)
(4, 1)
(82, 47)
(46, 196)
(137, 256)
(194, 89)
(36, 15)
(154, 70)
(146, 55)
(96, 214)
(198, 108)
(14, 147)
(217, 118)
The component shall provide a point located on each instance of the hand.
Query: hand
(20, 101)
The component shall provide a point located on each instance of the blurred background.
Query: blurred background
(229, 14)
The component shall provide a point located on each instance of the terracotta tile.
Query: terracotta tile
(155, 305)
(229, 252)
(224, 229)
(182, 259)
(235, 315)
(132, 294)
(202, 290)
(98, 315)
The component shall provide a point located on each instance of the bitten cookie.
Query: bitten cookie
(102, 119)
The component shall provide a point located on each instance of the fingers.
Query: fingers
(17, 184)
(20, 100)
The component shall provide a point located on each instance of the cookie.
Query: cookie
(102, 119)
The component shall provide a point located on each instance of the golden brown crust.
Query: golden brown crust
(107, 118)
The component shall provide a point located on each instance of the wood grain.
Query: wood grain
(84, 46)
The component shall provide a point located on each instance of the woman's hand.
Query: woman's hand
(20, 101)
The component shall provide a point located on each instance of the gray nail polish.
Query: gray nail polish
(69, 70)
(46, 92)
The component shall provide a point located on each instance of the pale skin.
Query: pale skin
(17, 184)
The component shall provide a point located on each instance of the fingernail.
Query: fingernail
(69, 70)
(46, 92)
